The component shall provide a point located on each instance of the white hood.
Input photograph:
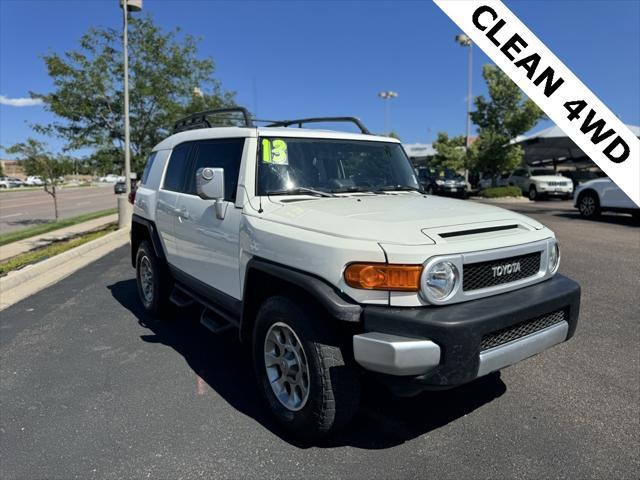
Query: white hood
(395, 218)
(550, 178)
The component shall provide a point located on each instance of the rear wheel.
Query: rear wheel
(153, 280)
(589, 205)
(305, 375)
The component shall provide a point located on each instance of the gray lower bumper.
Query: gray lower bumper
(396, 355)
(499, 357)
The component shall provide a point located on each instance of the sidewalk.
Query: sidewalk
(22, 246)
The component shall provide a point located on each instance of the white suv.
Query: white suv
(540, 183)
(320, 249)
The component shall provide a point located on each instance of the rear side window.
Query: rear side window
(147, 168)
(227, 154)
(176, 171)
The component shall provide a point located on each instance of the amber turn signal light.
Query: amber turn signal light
(383, 276)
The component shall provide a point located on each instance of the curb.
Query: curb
(33, 278)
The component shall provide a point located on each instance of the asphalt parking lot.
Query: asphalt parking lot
(91, 387)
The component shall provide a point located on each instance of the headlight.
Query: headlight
(440, 280)
(554, 257)
(439, 182)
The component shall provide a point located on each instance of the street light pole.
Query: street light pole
(134, 6)
(388, 95)
(465, 41)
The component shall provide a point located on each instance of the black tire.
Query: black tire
(430, 190)
(333, 381)
(157, 303)
(533, 193)
(589, 204)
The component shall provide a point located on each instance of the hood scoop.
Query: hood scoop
(475, 231)
(460, 233)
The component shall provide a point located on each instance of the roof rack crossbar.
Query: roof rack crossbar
(301, 121)
(200, 120)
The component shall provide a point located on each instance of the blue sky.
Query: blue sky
(290, 59)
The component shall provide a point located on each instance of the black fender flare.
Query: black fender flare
(336, 303)
(152, 231)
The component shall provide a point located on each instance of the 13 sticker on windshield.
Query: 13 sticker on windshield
(274, 151)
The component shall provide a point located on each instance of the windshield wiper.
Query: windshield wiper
(397, 188)
(299, 190)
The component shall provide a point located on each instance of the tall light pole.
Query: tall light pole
(388, 95)
(465, 41)
(127, 6)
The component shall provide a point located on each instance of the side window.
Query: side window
(175, 175)
(147, 168)
(225, 154)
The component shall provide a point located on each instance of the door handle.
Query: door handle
(182, 212)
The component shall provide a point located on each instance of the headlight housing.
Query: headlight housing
(439, 182)
(440, 280)
(553, 257)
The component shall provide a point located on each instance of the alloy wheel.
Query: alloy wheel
(146, 279)
(587, 205)
(287, 366)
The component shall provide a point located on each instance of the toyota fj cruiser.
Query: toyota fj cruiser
(320, 247)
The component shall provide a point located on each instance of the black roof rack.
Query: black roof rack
(203, 120)
(200, 120)
(301, 121)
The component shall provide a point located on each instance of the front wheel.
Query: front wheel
(533, 193)
(304, 374)
(589, 205)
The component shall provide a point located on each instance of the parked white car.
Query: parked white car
(110, 178)
(10, 182)
(602, 195)
(34, 180)
(319, 247)
(537, 183)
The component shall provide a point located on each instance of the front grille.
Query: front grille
(514, 332)
(497, 272)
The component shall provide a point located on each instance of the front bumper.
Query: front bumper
(413, 349)
(450, 190)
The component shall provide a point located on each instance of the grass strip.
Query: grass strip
(51, 250)
(51, 226)
(499, 192)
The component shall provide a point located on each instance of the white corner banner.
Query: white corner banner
(552, 86)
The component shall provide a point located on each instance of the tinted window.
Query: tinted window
(174, 178)
(225, 154)
(147, 168)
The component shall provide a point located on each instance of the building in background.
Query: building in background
(13, 168)
(419, 153)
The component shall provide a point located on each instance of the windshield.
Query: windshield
(312, 166)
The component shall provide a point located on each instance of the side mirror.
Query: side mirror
(210, 186)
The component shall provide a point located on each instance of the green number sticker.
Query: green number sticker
(274, 152)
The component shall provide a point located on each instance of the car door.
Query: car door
(611, 195)
(208, 247)
(172, 183)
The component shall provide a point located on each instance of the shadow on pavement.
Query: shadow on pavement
(611, 218)
(220, 360)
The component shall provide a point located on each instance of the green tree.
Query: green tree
(38, 161)
(451, 151)
(500, 119)
(167, 81)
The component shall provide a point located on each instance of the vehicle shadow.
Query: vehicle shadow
(605, 217)
(383, 420)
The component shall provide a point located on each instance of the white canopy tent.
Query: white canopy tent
(552, 145)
